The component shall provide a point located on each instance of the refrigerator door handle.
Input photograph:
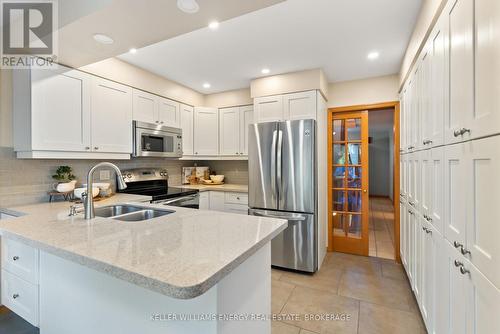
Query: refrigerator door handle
(273, 165)
(279, 161)
(291, 218)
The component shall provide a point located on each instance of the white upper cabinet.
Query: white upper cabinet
(246, 118)
(111, 117)
(269, 109)
(229, 130)
(233, 130)
(168, 112)
(145, 106)
(300, 105)
(151, 108)
(438, 51)
(187, 126)
(206, 131)
(460, 113)
(426, 183)
(65, 113)
(486, 117)
(51, 110)
(436, 213)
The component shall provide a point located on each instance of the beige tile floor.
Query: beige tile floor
(381, 240)
(373, 292)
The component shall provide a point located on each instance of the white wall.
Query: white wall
(238, 97)
(118, 70)
(364, 91)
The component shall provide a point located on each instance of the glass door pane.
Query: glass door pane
(349, 181)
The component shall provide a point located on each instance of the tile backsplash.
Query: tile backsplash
(25, 181)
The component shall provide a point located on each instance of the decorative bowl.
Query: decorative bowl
(217, 178)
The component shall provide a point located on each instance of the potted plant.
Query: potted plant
(66, 179)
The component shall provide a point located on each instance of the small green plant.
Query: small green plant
(64, 174)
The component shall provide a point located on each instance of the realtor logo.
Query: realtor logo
(28, 33)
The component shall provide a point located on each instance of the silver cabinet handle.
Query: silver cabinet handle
(428, 231)
(87, 148)
(411, 212)
(456, 244)
(411, 203)
(425, 142)
(96, 148)
(464, 131)
(458, 263)
(15, 296)
(15, 258)
(457, 133)
(424, 228)
(464, 271)
(238, 198)
(464, 250)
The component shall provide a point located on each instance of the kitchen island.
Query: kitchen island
(172, 274)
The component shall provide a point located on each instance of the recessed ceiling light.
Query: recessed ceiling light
(188, 6)
(206, 85)
(213, 25)
(133, 50)
(103, 39)
(373, 55)
(265, 71)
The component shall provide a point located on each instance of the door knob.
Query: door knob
(464, 130)
(456, 244)
(464, 271)
(15, 258)
(16, 295)
(464, 251)
(458, 263)
(457, 133)
(365, 191)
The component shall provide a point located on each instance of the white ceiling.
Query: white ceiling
(335, 35)
(134, 24)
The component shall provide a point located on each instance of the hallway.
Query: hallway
(381, 228)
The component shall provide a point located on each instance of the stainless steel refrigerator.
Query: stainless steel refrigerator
(282, 184)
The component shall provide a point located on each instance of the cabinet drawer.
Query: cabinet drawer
(236, 208)
(20, 259)
(236, 198)
(20, 296)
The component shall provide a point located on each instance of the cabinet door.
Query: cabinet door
(217, 200)
(206, 131)
(402, 232)
(425, 110)
(168, 112)
(246, 118)
(300, 105)
(111, 117)
(402, 120)
(60, 110)
(461, 75)
(205, 200)
(411, 218)
(454, 312)
(455, 192)
(411, 179)
(437, 188)
(409, 114)
(415, 128)
(269, 109)
(483, 216)
(430, 248)
(483, 302)
(418, 259)
(439, 82)
(417, 182)
(486, 116)
(187, 125)
(229, 131)
(145, 107)
(425, 182)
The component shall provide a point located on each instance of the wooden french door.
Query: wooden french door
(348, 182)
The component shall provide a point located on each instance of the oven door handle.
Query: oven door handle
(180, 199)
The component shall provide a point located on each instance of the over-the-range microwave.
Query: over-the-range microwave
(155, 140)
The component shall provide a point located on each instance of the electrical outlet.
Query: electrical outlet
(104, 175)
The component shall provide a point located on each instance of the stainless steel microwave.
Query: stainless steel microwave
(154, 140)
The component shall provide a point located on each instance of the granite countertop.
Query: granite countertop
(180, 255)
(242, 188)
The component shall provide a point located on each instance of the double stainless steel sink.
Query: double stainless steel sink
(130, 213)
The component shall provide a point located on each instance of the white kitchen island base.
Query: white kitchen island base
(79, 300)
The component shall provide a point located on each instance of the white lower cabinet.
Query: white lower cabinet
(20, 277)
(233, 202)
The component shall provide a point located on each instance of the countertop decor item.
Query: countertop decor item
(217, 178)
(66, 179)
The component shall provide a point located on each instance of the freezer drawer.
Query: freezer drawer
(295, 247)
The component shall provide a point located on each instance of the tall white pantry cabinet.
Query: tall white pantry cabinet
(450, 171)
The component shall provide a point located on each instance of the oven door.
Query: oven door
(152, 140)
(189, 201)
